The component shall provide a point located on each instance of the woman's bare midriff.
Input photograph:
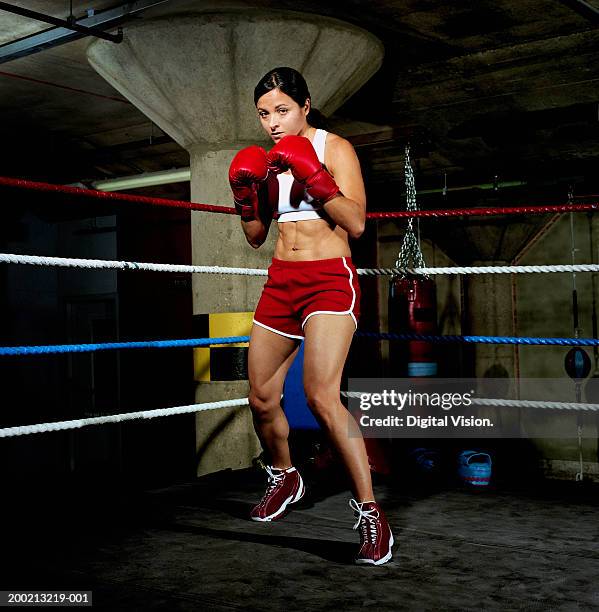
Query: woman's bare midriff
(311, 239)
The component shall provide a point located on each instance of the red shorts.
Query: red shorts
(296, 290)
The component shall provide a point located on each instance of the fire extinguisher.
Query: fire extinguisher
(412, 310)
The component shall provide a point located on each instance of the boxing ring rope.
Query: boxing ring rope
(24, 430)
(126, 265)
(100, 264)
(111, 196)
(571, 206)
(529, 341)
(511, 403)
(439, 213)
(487, 211)
(52, 349)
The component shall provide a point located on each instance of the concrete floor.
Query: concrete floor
(191, 547)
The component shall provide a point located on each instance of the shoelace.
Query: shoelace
(274, 481)
(367, 519)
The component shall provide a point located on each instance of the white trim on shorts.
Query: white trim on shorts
(336, 312)
(276, 331)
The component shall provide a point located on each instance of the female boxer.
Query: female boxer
(312, 183)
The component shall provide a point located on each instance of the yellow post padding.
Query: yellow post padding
(201, 364)
(223, 324)
(220, 325)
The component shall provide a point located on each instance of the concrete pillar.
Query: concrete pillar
(193, 74)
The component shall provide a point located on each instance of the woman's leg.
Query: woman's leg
(269, 357)
(328, 338)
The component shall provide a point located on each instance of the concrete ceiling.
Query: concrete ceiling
(506, 88)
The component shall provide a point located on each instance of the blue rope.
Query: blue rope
(85, 348)
(484, 339)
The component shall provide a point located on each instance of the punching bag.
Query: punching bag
(412, 310)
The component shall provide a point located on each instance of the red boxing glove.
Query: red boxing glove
(297, 154)
(246, 172)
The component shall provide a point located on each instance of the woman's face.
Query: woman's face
(280, 115)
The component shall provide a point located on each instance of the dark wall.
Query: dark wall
(156, 305)
(48, 305)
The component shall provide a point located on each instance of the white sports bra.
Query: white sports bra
(299, 208)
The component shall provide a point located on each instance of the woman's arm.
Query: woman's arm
(255, 232)
(347, 210)
(248, 174)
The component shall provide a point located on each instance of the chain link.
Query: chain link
(410, 254)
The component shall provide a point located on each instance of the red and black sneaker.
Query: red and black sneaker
(375, 534)
(284, 487)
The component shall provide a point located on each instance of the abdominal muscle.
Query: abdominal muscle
(310, 239)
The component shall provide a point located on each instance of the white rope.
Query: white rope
(510, 403)
(101, 264)
(537, 404)
(23, 430)
(480, 270)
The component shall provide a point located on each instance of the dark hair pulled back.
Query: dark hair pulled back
(292, 83)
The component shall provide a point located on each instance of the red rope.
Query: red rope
(109, 195)
(495, 210)
(449, 212)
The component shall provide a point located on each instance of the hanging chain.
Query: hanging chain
(410, 254)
